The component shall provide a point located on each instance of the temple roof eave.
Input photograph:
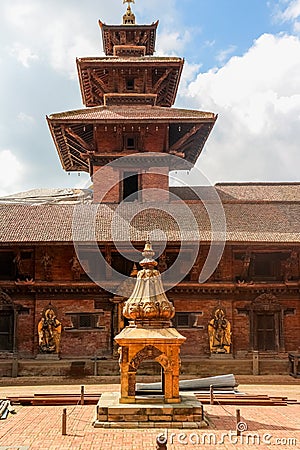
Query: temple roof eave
(92, 70)
(119, 114)
(73, 155)
(109, 30)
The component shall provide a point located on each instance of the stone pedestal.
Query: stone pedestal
(161, 345)
(48, 356)
(151, 412)
(221, 356)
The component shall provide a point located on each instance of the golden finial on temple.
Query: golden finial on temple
(129, 17)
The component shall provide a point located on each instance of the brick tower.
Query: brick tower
(128, 94)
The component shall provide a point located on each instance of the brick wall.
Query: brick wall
(106, 185)
(156, 181)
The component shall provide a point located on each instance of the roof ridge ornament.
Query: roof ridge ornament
(129, 17)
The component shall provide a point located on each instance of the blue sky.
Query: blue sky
(242, 61)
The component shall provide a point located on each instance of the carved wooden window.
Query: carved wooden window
(7, 266)
(130, 84)
(130, 141)
(85, 321)
(121, 264)
(266, 266)
(187, 320)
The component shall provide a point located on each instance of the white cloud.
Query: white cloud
(289, 11)
(292, 11)
(26, 118)
(23, 54)
(11, 172)
(173, 42)
(257, 97)
(223, 55)
(56, 39)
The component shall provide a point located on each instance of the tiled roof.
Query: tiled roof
(285, 192)
(134, 60)
(240, 192)
(267, 222)
(119, 114)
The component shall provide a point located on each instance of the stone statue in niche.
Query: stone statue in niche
(290, 267)
(76, 268)
(23, 267)
(49, 331)
(219, 332)
(162, 262)
(245, 274)
(47, 266)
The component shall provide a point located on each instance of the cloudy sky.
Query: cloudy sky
(242, 61)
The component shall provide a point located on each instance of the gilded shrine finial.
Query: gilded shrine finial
(148, 304)
(129, 17)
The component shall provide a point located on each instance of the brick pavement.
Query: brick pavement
(40, 427)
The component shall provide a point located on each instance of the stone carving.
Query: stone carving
(5, 299)
(49, 331)
(46, 261)
(266, 302)
(219, 332)
(162, 263)
(290, 267)
(148, 352)
(245, 274)
(164, 361)
(76, 268)
(23, 269)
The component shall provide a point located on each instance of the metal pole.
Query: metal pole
(14, 368)
(238, 420)
(211, 392)
(82, 396)
(64, 422)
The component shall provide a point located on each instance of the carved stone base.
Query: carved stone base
(153, 412)
(48, 356)
(221, 356)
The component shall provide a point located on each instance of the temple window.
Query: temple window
(130, 84)
(130, 142)
(85, 321)
(7, 266)
(187, 320)
(130, 186)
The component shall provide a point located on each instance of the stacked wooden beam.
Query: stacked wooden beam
(205, 398)
(55, 399)
(244, 400)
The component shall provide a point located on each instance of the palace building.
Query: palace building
(228, 254)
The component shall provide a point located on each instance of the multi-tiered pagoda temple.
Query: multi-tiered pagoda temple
(128, 95)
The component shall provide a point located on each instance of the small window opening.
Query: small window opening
(130, 186)
(85, 321)
(130, 143)
(130, 84)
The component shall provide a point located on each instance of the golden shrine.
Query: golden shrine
(149, 334)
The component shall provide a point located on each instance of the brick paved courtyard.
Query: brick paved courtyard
(40, 427)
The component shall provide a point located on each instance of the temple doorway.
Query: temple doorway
(265, 332)
(6, 330)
